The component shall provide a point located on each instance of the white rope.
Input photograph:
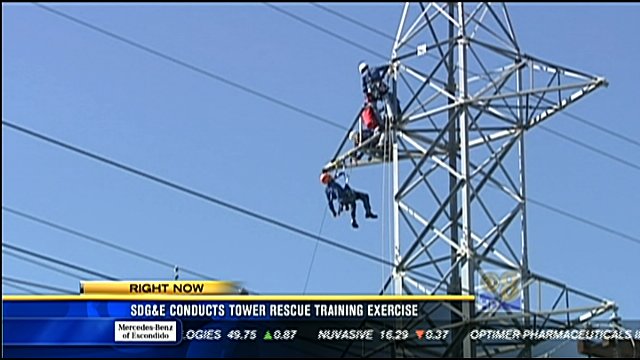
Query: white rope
(385, 198)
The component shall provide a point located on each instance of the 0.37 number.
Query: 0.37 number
(436, 334)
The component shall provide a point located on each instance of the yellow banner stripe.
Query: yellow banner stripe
(257, 298)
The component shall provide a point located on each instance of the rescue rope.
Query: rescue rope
(315, 250)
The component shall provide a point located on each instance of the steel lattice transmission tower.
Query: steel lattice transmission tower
(466, 96)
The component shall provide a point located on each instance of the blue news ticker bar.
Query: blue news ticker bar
(96, 322)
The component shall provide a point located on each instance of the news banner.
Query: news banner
(210, 318)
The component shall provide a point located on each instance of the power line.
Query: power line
(23, 288)
(194, 193)
(191, 67)
(389, 37)
(41, 264)
(35, 284)
(591, 148)
(326, 31)
(94, 239)
(603, 129)
(354, 21)
(56, 261)
(577, 218)
(585, 221)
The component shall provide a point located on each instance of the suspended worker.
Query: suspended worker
(346, 198)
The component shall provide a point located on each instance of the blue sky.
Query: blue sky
(102, 95)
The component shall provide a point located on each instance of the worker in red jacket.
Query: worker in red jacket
(370, 118)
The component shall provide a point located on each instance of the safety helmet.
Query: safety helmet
(363, 67)
(353, 135)
(325, 178)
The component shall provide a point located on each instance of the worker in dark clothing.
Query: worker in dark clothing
(374, 117)
(346, 197)
(373, 85)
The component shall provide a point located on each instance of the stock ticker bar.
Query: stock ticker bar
(208, 318)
